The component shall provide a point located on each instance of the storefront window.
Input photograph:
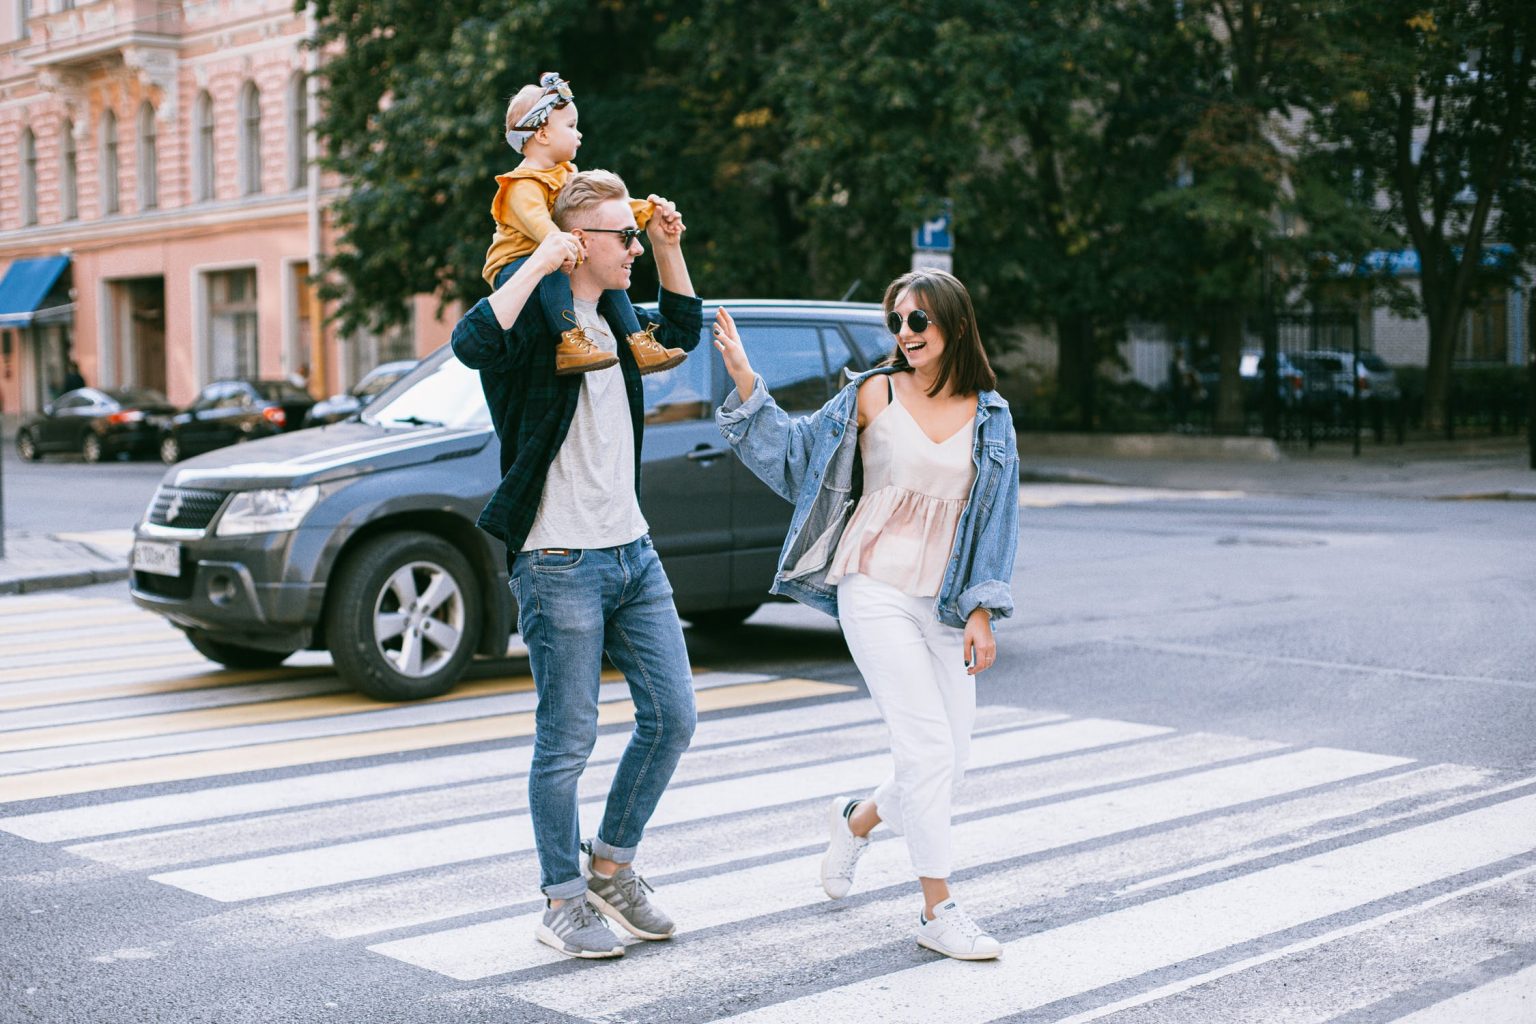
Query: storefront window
(232, 325)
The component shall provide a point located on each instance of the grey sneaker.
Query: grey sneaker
(575, 929)
(623, 898)
(843, 850)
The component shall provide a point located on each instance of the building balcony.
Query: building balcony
(90, 33)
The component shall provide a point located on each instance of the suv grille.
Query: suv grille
(185, 508)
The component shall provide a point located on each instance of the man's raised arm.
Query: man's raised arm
(483, 337)
(665, 231)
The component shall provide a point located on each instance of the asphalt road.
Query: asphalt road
(1245, 759)
(62, 494)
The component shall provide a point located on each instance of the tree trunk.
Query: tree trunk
(1227, 336)
(1077, 364)
(1444, 320)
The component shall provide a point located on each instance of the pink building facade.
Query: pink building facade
(164, 148)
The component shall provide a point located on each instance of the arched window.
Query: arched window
(250, 139)
(108, 162)
(202, 146)
(298, 131)
(149, 159)
(28, 177)
(69, 191)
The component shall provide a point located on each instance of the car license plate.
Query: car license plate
(157, 557)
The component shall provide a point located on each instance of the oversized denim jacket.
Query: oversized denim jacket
(813, 462)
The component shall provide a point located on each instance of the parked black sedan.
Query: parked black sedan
(229, 411)
(339, 407)
(95, 423)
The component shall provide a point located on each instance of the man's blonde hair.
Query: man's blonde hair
(585, 190)
(522, 101)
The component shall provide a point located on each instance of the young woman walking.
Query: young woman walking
(906, 519)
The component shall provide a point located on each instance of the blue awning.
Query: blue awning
(26, 284)
(1405, 262)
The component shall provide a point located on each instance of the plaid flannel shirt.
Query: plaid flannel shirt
(531, 408)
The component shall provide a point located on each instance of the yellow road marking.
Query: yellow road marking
(257, 713)
(105, 666)
(201, 681)
(73, 626)
(215, 680)
(289, 753)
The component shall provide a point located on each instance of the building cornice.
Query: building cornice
(157, 226)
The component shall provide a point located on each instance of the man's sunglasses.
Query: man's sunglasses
(917, 320)
(626, 235)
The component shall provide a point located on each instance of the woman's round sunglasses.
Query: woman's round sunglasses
(917, 320)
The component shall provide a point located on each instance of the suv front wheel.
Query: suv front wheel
(403, 616)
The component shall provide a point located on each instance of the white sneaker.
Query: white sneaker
(953, 933)
(843, 851)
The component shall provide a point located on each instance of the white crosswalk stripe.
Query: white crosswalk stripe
(1053, 964)
(1132, 871)
(253, 878)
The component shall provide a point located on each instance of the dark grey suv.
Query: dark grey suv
(359, 537)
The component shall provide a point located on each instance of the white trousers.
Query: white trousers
(914, 667)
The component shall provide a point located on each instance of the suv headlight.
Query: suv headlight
(274, 511)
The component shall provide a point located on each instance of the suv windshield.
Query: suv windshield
(448, 394)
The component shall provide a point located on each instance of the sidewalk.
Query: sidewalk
(36, 561)
(1492, 469)
(1477, 470)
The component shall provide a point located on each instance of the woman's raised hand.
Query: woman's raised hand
(736, 362)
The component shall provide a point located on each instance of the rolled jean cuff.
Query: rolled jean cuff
(567, 890)
(617, 854)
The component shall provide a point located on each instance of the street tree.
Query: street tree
(1048, 125)
(1242, 190)
(1437, 113)
(415, 95)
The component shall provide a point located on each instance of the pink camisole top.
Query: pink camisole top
(915, 489)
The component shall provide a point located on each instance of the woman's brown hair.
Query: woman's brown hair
(948, 305)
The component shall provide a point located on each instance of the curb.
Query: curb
(1490, 496)
(1152, 446)
(62, 580)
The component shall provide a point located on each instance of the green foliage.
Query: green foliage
(1435, 109)
(1106, 160)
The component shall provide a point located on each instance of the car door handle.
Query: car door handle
(704, 453)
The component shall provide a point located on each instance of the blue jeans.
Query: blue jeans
(572, 607)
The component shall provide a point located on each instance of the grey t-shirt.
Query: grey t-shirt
(589, 495)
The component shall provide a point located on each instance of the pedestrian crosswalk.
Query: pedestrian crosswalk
(1134, 871)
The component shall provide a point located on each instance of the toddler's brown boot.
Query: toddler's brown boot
(651, 356)
(577, 354)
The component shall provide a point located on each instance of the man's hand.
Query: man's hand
(736, 362)
(979, 645)
(666, 225)
(559, 251)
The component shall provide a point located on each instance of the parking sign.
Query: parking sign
(934, 234)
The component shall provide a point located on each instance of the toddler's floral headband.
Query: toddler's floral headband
(557, 93)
